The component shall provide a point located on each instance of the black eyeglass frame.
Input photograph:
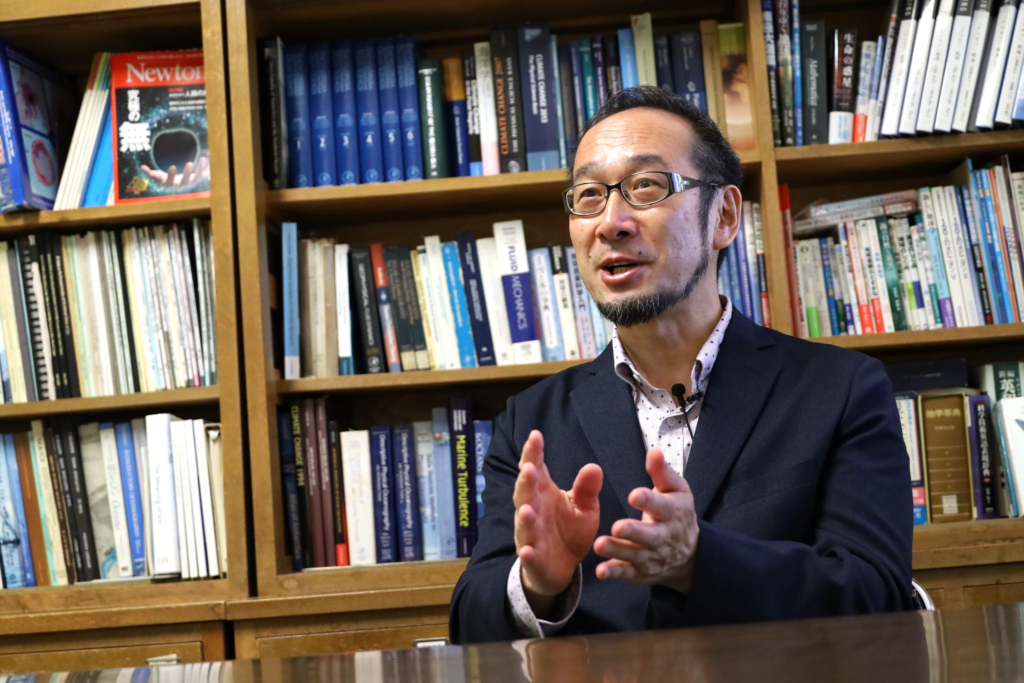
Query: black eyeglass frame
(677, 183)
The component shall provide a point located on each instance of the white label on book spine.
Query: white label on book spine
(954, 70)
(494, 297)
(355, 462)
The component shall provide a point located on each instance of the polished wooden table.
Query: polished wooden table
(968, 644)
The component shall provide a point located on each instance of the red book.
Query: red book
(313, 503)
(794, 287)
(324, 465)
(387, 320)
(158, 120)
(338, 496)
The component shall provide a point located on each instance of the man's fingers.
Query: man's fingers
(664, 477)
(587, 486)
(616, 569)
(647, 535)
(617, 549)
(658, 505)
(526, 527)
(533, 450)
(526, 485)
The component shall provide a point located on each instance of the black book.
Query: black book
(60, 373)
(613, 67)
(844, 76)
(134, 375)
(295, 413)
(815, 83)
(66, 440)
(460, 422)
(663, 62)
(67, 337)
(28, 254)
(419, 337)
(367, 319)
(508, 100)
(568, 98)
(272, 112)
(337, 493)
(400, 308)
(472, 112)
(62, 499)
(988, 506)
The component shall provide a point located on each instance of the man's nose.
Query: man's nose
(619, 218)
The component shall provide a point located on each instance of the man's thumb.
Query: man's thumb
(587, 486)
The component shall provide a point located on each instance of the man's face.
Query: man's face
(662, 251)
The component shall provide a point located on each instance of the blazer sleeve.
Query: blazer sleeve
(860, 561)
(479, 609)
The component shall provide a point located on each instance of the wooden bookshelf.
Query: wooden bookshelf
(135, 616)
(329, 608)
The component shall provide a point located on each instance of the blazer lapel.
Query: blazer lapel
(606, 411)
(740, 382)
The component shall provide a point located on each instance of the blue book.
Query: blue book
(407, 504)
(1007, 467)
(740, 246)
(390, 111)
(371, 156)
(483, 431)
(541, 278)
(131, 486)
(988, 250)
(463, 455)
(688, 68)
(979, 254)
(19, 511)
(995, 229)
(725, 278)
(382, 464)
(627, 58)
(101, 177)
(426, 480)
(798, 78)
(577, 86)
(289, 481)
(830, 287)
(456, 115)
(10, 539)
(444, 485)
(321, 116)
(966, 232)
(460, 310)
(140, 675)
(736, 291)
(559, 109)
(409, 101)
(477, 306)
(941, 283)
(600, 337)
(538, 71)
(343, 91)
(290, 291)
(296, 103)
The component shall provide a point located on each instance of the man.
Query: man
(775, 483)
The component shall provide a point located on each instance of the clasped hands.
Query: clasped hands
(554, 529)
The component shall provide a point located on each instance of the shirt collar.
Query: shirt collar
(702, 367)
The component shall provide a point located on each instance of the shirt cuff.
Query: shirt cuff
(563, 609)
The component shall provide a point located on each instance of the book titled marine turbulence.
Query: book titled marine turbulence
(158, 100)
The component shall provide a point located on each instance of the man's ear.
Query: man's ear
(728, 207)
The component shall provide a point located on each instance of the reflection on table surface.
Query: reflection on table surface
(972, 644)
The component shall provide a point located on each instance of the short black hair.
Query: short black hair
(712, 155)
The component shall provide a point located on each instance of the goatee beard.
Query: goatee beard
(643, 308)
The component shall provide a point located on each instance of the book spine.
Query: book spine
(302, 484)
(367, 319)
(612, 62)
(326, 511)
(537, 80)
(974, 60)
(343, 90)
(836, 321)
(115, 497)
(561, 287)
(300, 159)
(459, 307)
(17, 498)
(587, 77)
(130, 479)
(290, 288)
(463, 464)
(476, 162)
(80, 504)
(439, 296)
(627, 58)
(798, 76)
(486, 85)
(899, 316)
(688, 71)
(421, 279)
(293, 505)
(342, 282)
(546, 308)
(515, 276)
(508, 98)
(432, 128)
(400, 304)
(387, 319)
(918, 67)
(409, 100)
(581, 307)
(416, 322)
(762, 272)
(383, 493)
(1005, 105)
(494, 299)
(860, 116)
(944, 224)
(578, 98)
(844, 85)
(643, 42)
(371, 155)
(900, 67)
(314, 505)
(601, 70)
(12, 189)
(58, 560)
(884, 57)
(478, 312)
(390, 111)
(483, 431)
(784, 46)
(410, 548)
(65, 511)
(662, 62)
(978, 255)
(340, 540)
(455, 116)
(359, 513)
(994, 70)
(321, 116)
(990, 230)
(940, 53)
(15, 571)
(444, 484)
(740, 246)
(985, 494)
(964, 257)
(768, 25)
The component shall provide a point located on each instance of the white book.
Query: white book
(430, 311)
(965, 271)
(103, 366)
(805, 284)
(94, 472)
(901, 242)
(927, 273)
(839, 281)
(9, 327)
(112, 294)
(999, 49)
(169, 306)
(429, 357)
(488, 109)
(977, 43)
(44, 479)
(494, 298)
(918, 65)
(544, 304)
(958, 41)
(426, 483)
(142, 467)
(183, 499)
(329, 290)
(194, 502)
(441, 305)
(355, 463)
(1011, 419)
(566, 316)
(167, 538)
(206, 498)
(215, 450)
(344, 305)
(898, 78)
(581, 307)
(937, 57)
(820, 293)
(115, 497)
(144, 351)
(943, 224)
(85, 140)
(132, 307)
(192, 328)
(1011, 75)
(849, 287)
(862, 108)
(514, 266)
(1012, 244)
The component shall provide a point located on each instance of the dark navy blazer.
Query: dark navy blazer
(799, 474)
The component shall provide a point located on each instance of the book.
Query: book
(489, 153)
(508, 100)
(459, 306)
(444, 484)
(940, 53)
(14, 569)
(537, 74)
(918, 66)
(688, 67)
(784, 48)
(478, 312)
(844, 84)
(343, 94)
(860, 117)
(902, 52)
(515, 276)
(340, 539)
(409, 101)
(132, 494)
(627, 58)
(483, 431)
(321, 115)
(432, 129)
(426, 483)
(456, 116)
(476, 164)
(94, 111)
(735, 89)
(974, 61)
(289, 491)
(381, 459)
(390, 111)
(323, 460)
(407, 512)
(768, 27)
(387, 316)
(359, 497)
(371, 152)
(947, 457)
(643, 44)
(906, 406)
(986, 494)
(158, 108)
(463, 464)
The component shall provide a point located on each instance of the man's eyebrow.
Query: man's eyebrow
(652, 162)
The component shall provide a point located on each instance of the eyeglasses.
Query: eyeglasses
(639, 189)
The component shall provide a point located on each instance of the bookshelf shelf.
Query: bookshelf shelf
(16, 10)
(987, 334)
(124, 215)
(960, 544)
(194, 397)
(354, 384)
